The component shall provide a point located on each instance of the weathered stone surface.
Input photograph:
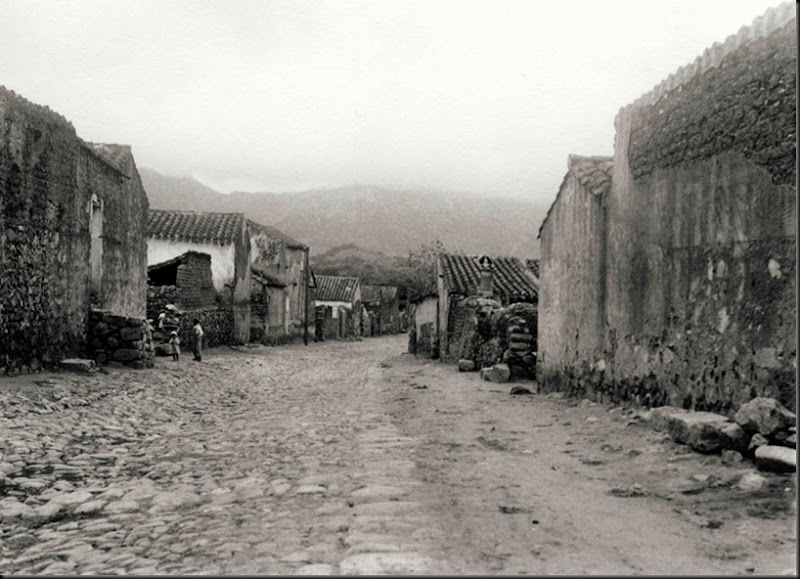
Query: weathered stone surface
(699, 430)
(765, 416)
(76, 365)
(791, 441)
(755, 442)
(776, 458)
(11, 508)
(498, 373)
(465, 365)
(126, 355)
(751, 482)
(385, 564)
(658, 418)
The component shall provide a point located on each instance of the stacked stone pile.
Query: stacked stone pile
(167, 321)
(520, 340)
(487, 335)
(121, 340)
(762, 429)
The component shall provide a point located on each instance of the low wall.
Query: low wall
(217, 323)
(120, 339)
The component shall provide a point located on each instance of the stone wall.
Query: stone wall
(48, 177)
(158, 296)
(217, 323)
(700, 237)
(194, 283)
(119, 339)
(487, 333)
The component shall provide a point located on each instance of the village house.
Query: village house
(383, 306)
(280, 303)
(73, 222)
(668, 272)
(438, 317)
(339, 301)
(225, 238)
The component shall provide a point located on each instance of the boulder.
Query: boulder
(765, 416)
(700, 430)
(77, 365)
(735, 438)
(499, 373)
(776, 458)
(658, 418)
(466, 365)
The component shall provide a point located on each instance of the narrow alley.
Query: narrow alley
(356, 458)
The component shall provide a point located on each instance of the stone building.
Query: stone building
(341, 299)
(73, 223)
(225, 238)
(383, 304)
(687, 258)
(281, 310)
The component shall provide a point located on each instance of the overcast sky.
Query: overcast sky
(481, 96)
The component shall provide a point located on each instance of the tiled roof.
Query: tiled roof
(370, 293)
(593, 173)
(388, 292)
(195, 226)
(377, 293)
(275, 233)
(332, 288)
(511, 278)
(116, 156)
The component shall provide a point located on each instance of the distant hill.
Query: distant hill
(387, 221)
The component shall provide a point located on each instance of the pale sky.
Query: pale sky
(486, 97)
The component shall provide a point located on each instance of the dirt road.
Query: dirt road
(355, 458)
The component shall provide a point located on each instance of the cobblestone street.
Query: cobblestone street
(336, 458)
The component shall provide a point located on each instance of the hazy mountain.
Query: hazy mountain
(386, 221)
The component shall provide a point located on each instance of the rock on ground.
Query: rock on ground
(499, 373)
(776, 458)
(765, 416)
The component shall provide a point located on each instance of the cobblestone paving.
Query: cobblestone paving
(262, 461)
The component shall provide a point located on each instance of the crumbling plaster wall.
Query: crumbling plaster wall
(572, 282)
(701, 234)
(47, 178)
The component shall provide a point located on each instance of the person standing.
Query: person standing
(197, 332)
(175, 345)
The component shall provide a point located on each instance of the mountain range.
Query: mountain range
(388, 221)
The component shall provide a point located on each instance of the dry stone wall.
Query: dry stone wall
(119, 339)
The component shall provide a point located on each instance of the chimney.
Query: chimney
(486, 284)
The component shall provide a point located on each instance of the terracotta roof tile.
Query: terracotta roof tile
(331, 288)
(376, 293)
(195, 226)
(593, 173)
(511, 278)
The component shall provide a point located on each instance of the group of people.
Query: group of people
(197, 342)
